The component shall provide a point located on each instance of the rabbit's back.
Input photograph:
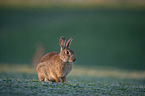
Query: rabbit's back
(47, 56)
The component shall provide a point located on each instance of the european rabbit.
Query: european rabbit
(54, 66)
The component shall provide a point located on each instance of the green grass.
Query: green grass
(23, 80)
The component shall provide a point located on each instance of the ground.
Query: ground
(22, 80)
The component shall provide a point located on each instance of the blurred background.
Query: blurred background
(108, 33)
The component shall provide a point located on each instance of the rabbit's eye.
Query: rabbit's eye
(67, 52)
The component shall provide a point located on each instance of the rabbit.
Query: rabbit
(54, 66)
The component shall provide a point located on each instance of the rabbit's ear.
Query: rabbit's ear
(69, 42)
(62, 42)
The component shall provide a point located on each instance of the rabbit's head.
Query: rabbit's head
(66, 54)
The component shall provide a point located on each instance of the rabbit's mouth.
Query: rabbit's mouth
(72, 60)
(68, 60)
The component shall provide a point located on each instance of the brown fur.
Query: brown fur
(56, 66)
(47, 56)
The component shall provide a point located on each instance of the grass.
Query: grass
(83, 81)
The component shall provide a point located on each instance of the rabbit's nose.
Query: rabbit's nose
(74, 59)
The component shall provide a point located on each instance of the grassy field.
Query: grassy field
(19, 80)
